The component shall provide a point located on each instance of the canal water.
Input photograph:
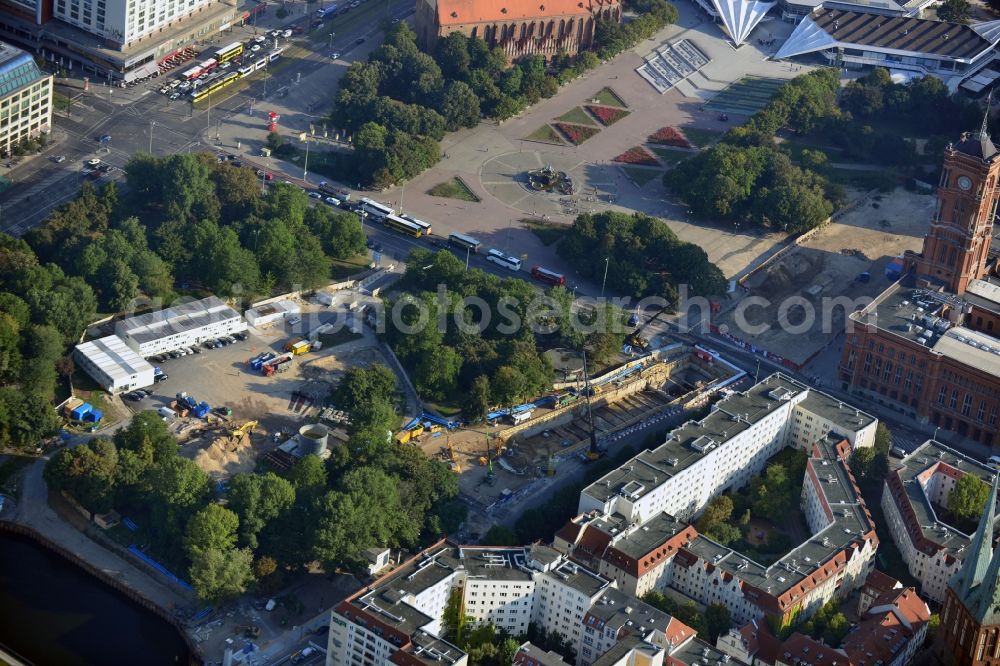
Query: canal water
(54, 613)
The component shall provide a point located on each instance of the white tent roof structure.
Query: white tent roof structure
(740, 17)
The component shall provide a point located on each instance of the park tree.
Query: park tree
(258, 499)
(476, 401)
(218, 575)
(499, 535)
(361, 385)
(719, 621)
(967, 499)
(308, 473)
(459, 106)
(955, 11)
(213, 527)
(719, 510)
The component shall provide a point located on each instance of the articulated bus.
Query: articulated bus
(420, 223)
(545, 275)
(464, 242)
(218, 84)
(192, 73)
(501, 259)
(208, 65)
(375, 209)
(227, 53)
(403, 226)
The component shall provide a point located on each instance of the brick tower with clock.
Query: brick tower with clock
(957, 244)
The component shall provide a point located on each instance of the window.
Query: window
(967, 405)
(981, 412)
(953, 403)
(941, 395)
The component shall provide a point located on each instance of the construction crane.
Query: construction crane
(593, 453)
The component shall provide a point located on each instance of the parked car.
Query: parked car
(161, 378)
(315, 195)
(240, 336)
(133, 396)
(333, 201)
(208, 344)
(174, 354)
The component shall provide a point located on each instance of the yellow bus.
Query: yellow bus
(227, 53)
(403, 226)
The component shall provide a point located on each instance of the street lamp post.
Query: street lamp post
(152, 124)
(605, 280)
(218, 129)
(467, 250)
(305, 165)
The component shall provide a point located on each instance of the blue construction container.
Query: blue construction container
(93, 416)
(80, 411)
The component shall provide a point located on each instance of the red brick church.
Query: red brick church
(519, 27)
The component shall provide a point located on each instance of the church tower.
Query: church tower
(970, 621)
(958, 242)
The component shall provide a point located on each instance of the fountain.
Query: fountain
(547, 179)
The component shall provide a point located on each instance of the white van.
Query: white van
(166, 412)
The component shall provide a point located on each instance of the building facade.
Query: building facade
(182, 325)
(519, 27)
(928, 345)
(25, 98)
(113, 364)
(932, 549)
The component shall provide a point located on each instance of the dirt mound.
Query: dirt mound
(789, 274)
(226, 456)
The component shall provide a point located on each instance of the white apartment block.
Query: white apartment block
(630, 539)
(399, 619)
(182, 325)
(724, 450)
(113, 365)
(25, 98)
(127, 21)
(932, 549)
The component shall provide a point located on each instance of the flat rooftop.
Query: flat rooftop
(616, 610)
(897, 33)
(176, 319)
(984, 293)
(689, 443)
(932, 455)
(579, 578)
(916, 315)
(114, 358)
(649, 536)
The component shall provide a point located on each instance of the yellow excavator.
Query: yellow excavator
(244, 429)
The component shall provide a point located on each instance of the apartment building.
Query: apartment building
(641, 551)
(181, 325)
(25, 98)
(702, 459)
(399, 619)
(932, 549)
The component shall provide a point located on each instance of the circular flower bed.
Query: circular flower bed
(637, 155)
(606, 114)
(668, 136)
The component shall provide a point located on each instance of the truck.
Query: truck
(258, 361)
(278, 364)
(342, 195)
(301, 347)
(324, 13)
(290, 345)
(191, 405)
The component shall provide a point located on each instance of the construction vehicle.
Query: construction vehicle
(637, 341)
(244, 429)
(291, 343)
(455, 466)
(406, 435)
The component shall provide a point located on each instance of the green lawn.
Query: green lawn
(671, 156)
(641, 176)
(343, 268)
(701, 138)
(454, 189)
(577, 115)
(609, 97)
(445, 409)
(795, 148)
(547, 232)
(546, 134)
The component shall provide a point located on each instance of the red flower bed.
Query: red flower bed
(576, 134)
(606, 114)
(637, 155)
(668, 136)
